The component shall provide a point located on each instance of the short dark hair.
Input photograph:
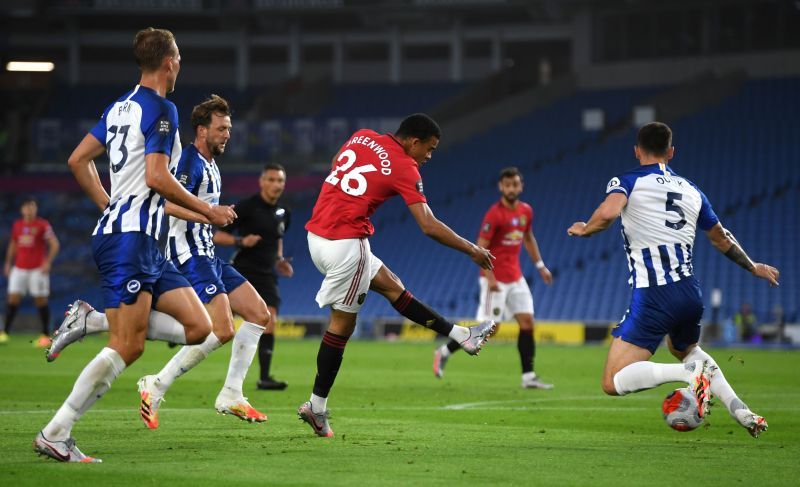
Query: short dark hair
(510, 172)
(151, 46)
(654, 138)
(273, 166)
(28, 199)
(420, 126)
(201, 114)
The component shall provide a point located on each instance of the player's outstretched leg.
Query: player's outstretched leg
(82, 319)
(231, 399)
(721, 389)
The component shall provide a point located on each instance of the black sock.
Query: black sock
(44, 316)
(329, 359)
(453, 346)
(527, 349)
(416, 311)
(266, 344)
(11, 312)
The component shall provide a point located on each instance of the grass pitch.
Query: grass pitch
(396, 424)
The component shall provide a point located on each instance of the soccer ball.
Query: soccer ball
(680, 410)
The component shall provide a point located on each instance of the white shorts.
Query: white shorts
(513, 298)
(29, 281)
(348, 266)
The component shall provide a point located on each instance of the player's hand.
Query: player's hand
(284, 267)
(546, 276)
(45, 268)
(482, 257)
(250, 240)
(578, 229)
(494, 286)
(767, 272)
(221, 215)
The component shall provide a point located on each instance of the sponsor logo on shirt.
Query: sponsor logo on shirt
(513, 238)
(183, 178)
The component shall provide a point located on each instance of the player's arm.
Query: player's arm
(81, 163)
(172, 209)
(227, 239)
(443, 234)
(724, 241)
(10, 253)
(53, 246)
(160, 179)
(532, 248)
(602, 218)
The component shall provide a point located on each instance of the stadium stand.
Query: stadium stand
(747, 137)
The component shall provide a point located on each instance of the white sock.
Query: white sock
(185, 360)
(245, 344)
(161, 326)
(719, 385)
(459, 333)
(92, 383)
(444, 351)
(318, 404)
(639, 376)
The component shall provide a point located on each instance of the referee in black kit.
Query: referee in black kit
(258, 235)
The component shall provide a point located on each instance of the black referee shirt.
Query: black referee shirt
(257, 217)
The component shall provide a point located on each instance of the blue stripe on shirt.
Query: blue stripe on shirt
(666, 265)
(651, 272)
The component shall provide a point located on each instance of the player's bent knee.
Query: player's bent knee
(196, 333)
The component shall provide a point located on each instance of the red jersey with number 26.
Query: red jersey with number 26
(505, 229)
(369, 169)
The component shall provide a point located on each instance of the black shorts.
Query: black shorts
(266, 286)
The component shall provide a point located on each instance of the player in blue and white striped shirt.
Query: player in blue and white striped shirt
(661, 212)
(139, 132)
(220, 287)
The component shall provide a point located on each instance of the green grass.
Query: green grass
(396, 424)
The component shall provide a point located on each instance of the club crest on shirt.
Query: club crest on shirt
(133, 286)
(280, 212)
(211, 289)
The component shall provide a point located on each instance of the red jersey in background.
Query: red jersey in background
(505, 229)
(31, 239)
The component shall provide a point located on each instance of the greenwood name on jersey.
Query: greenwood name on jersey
(659, 223)
(201, 178)
(369, 169)
(140, 122)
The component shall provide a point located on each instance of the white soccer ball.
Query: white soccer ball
(680, 410)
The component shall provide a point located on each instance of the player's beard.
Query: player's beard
(510, 198)
(217, 150)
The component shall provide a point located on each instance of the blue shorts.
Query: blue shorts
(130, 263)
(673, 309)
(210, 276)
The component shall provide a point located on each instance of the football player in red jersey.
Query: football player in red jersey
(369, 169)
(504, 291)
(32, 248)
